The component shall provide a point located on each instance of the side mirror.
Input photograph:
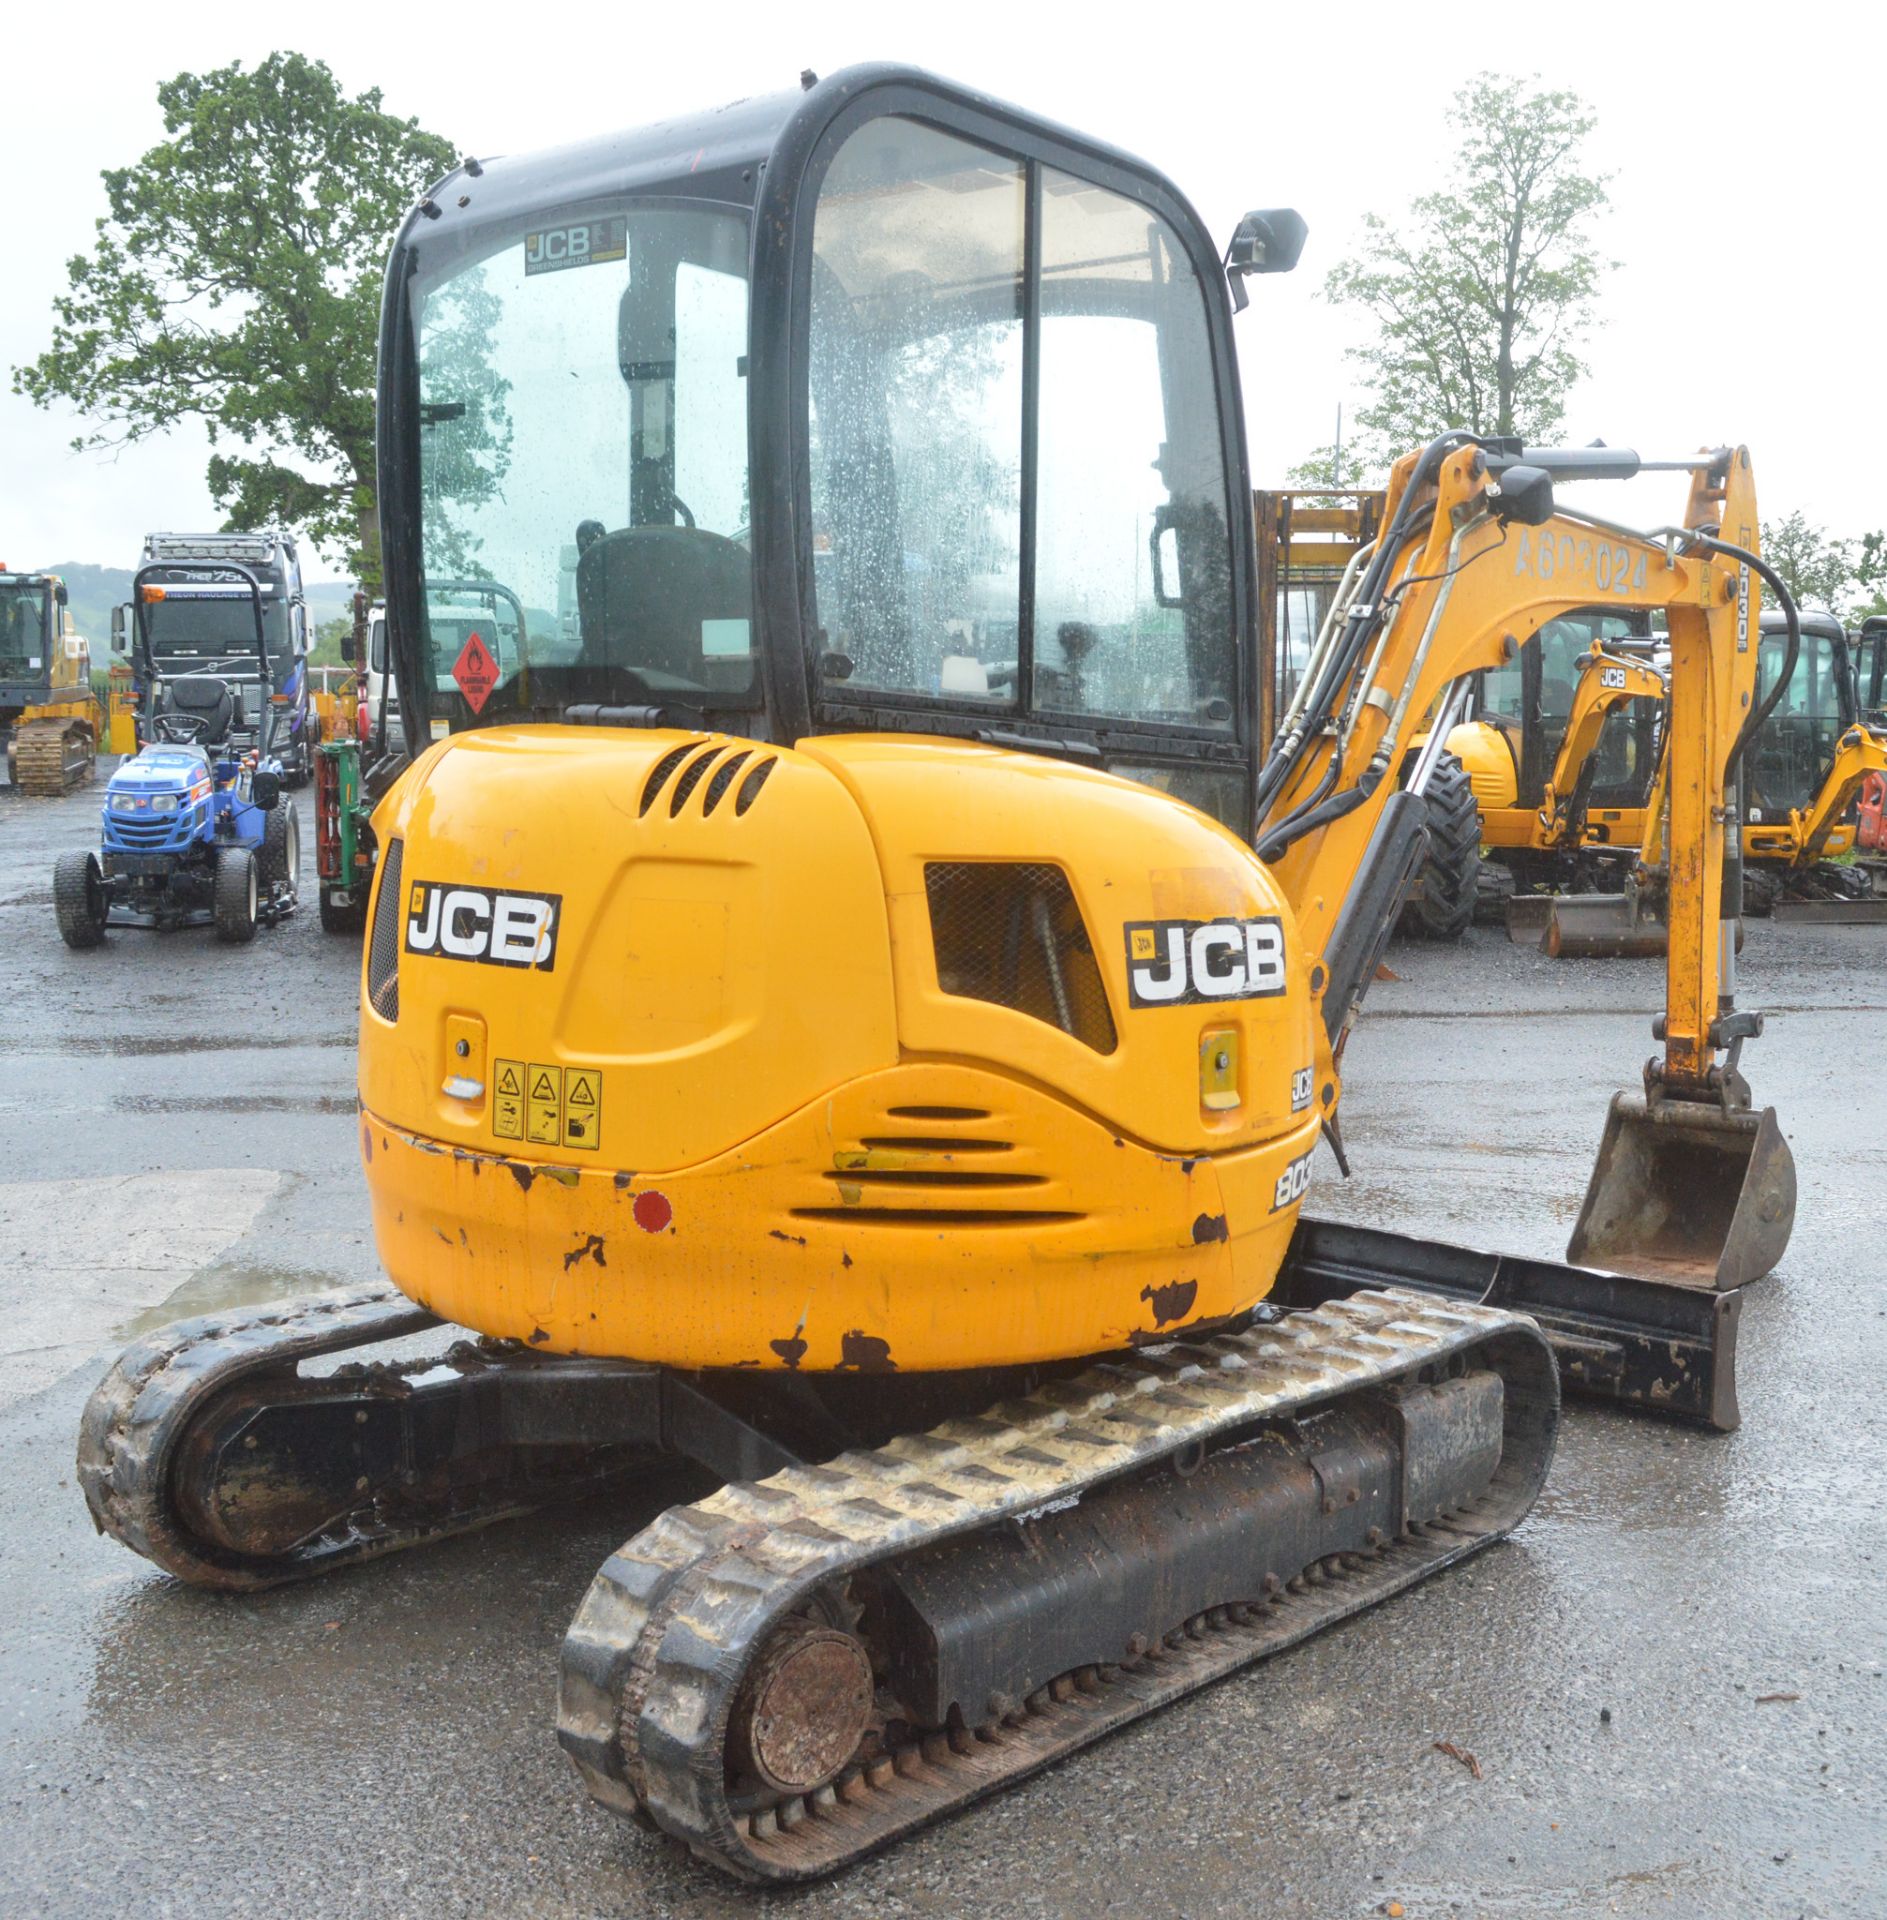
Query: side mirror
(1267, 241)
(59, 594)
(266, 790)
(1524, 494)
(120, 634)
(349, 651)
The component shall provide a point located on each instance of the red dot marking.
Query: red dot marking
(652, 1212)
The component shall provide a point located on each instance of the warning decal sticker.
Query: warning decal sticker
(583, 1108)
(543, 1105)
(547, 1105)
(507, 1100)
(476, 672)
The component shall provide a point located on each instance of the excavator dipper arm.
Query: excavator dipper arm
(1606, 680)
(1691, 1185)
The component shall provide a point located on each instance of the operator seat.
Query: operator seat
(214, 702)
(643, 593)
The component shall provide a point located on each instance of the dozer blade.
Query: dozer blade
(1643, 1344)
(1688, 1193)
(1601, 926)
(1527, 915)
(1831, 913)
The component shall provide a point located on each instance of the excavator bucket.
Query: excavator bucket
(1688, 1193)
(1601, 926)
(1527, 915)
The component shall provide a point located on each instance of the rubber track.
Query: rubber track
(655, 1655)
(143, 1407)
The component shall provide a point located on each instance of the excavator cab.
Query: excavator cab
(1796, 747)
(1870, 669)
(907, 415)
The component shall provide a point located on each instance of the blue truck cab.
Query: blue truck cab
(204, 623)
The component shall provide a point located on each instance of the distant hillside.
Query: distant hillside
(92, 592)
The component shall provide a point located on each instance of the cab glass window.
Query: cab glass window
(948, 563)
(1133, 584)
(583, 465)
(916, 403)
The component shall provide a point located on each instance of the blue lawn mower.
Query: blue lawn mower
(196, 829)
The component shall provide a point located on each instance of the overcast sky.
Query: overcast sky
(1746, 143)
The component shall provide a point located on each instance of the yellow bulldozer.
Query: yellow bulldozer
(854, 997)
(50, 720)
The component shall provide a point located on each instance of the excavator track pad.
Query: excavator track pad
(793, 1672)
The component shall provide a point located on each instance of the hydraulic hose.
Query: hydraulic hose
(1766, 706)
(1336, 671)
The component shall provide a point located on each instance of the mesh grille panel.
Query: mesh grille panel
(1010, 933)
(383, 949)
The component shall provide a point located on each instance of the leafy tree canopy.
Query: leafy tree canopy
(1845, 577)
(236, 279)
(1481, 297)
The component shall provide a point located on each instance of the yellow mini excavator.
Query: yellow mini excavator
(849, 1002)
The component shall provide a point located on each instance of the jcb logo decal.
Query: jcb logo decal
(1612, 676)
(476, 923)
(1293, 1184)
(585, 245)
(1176, 963)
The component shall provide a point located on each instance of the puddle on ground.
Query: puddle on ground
(217, 1289)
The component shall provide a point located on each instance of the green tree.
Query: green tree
(1870, 578)
(236, 279)
(1480, 299)
(1816, 568)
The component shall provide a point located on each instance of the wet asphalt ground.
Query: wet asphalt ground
(176, 1124)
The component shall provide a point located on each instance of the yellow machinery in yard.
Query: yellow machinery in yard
(49, 718)
(1812, 751)
(1544, 782)
(1307, 538)
(849, 1003)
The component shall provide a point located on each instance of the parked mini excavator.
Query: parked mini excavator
(824, 1015)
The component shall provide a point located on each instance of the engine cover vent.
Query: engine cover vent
(1010, 932)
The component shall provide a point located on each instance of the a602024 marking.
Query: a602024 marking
(1612, 568)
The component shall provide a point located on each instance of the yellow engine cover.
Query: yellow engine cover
(871, 1053)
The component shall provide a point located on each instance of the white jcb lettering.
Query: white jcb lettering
(1182, 962)
(1264, 956)
(474, 923)
(1222, 983)
(1152, 986)
(517, 929)
(464, 921)
(422, 928)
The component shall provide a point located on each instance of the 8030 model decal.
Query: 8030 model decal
(1178, 963)
(479, 923)
(1293, 1184)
